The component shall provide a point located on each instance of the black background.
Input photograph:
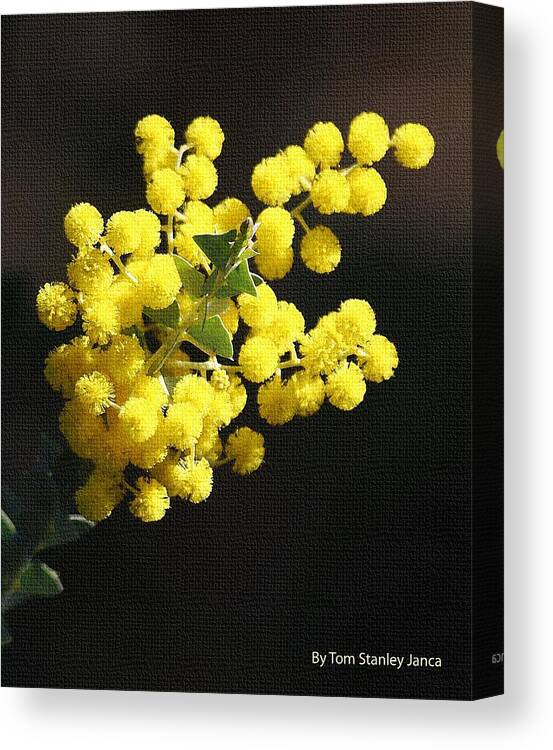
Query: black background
(356, 533)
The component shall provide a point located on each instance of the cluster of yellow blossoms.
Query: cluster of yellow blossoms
(147, 399)
(316, 169)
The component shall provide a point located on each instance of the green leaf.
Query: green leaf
(213, 337)
(38, 579)
(192, 279)
(240, 280)
(257, 280)
(8, 527)
(217, 247)
(216, 306)
(169, 316)
(66, 529)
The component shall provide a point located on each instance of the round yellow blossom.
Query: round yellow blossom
(309, 391)
(171, 473)
(277, 401)
(199, 177)
(320, 249)
(206, 136)
(500, 149)
(198, 480)
(161, 282)
(274, 264)
(238, 396)
(150, 388)
(90, 271)
(355, 322)
(95, 392)
(194, 390)
(183, 425)
(158, 156)
(153, 131)
(56, 307)
(258, 359)
(229, 214)
(200, 215)
(84, 432)
(286, 327)
(165, 191)
(97, 498)
(83, 225)
(187, 247)
(123, 360)
(148, 228)
(301, 168)
(258, 312)
(221, 411)
(101, 319)
(231, 318)
(324, 144)
(323, 347)
(368, 191)
(151, 452)
(123, 232)
(368, 138)
(247, 449)
(112, 452)
(209, 446)
(219, 380)
(151, 501)
(275, 231)
(413, 145)
(138, 418)
(127, 298)
(65, 365)
(345, 387)
(272, 181)
(380, 359)
(330, 192)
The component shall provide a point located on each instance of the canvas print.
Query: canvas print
(252, 351)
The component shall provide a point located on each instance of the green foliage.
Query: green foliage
(213, 337)
(192, 279)
(168, 317)
(219, 248)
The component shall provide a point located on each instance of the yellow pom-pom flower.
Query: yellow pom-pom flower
(258, 359)
(258, 312)
(83, 225)
(171, 473)
(275, 231)
(197, 480)
(324, 144)
(237, 395)
(148, 229)
(97, 498)
(274, 264)
(229, 214)
(230, 318)
(153, 132)
(165, 191)
(127, 298)
(101, 319)
(345, 387)
(277, 401)
(138, 418)
(413, 145)
(323, 347)
(90, 271)
(309, 392)
(330, 192)
(368, 138)
(355, 322)
(286, 327)
(246, 448)
(160, 284)
(194, 390)
(272, 181)
(56, 307)
(301, 168)
(65, 365)
(320, 250)
(199, 177)
(151, 452)
(380, 359)
(123, 360)
(95, 392)
(151, 501)
(123, 232)
(206, 136)
(219, 380)
(367, 191)
(183, 425)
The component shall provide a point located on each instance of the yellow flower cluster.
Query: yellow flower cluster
(315, 169)
(162, 301)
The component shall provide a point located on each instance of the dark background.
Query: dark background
(356, 533)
